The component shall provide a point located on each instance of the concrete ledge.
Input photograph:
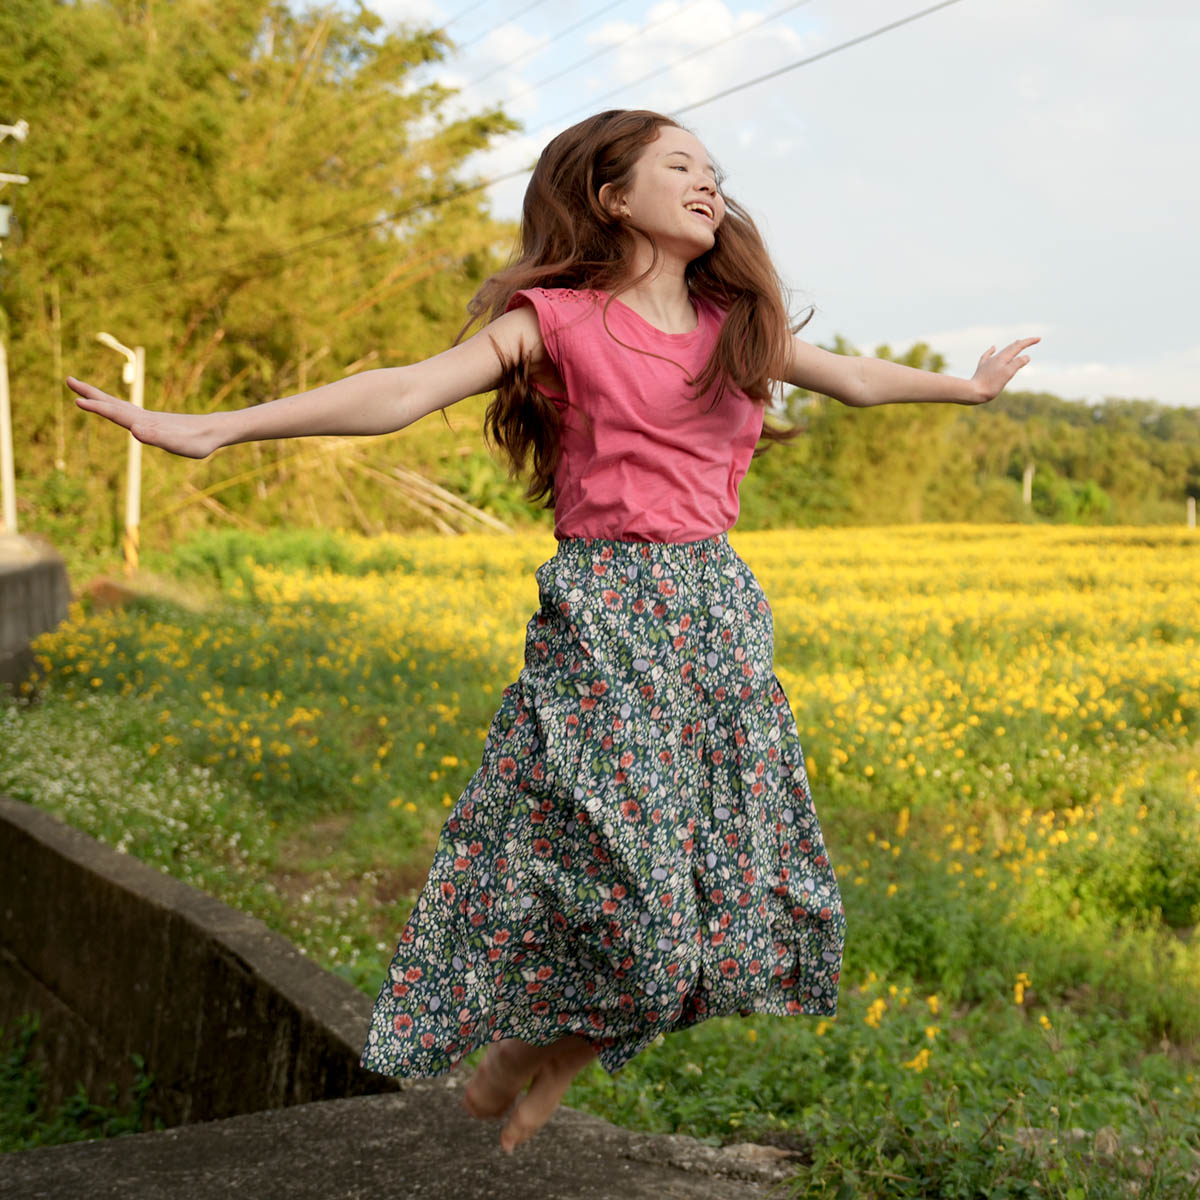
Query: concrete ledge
(120, 959)
(34, 598)
(417, 1143)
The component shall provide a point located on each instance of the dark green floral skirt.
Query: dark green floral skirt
(638, 850)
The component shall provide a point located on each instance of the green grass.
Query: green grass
(28, 1120)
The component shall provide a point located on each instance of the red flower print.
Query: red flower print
(427, 1040)
(825, 914)
(608, 907)
(475, 848)
(588, 704)
(620, 891)
(413, 974)
(664, 756)
(666, 588)
(685, 622)
(679, 642)
(611, 598)
(728, 967)
(755, 966)
(461, 864)
(507, 766)
(717, 938)
(660, 610)
(666, 899)
(631, 810)
(402, 1023)
(399, 989)
(599, 568)
(541, 847)
(501, 936)
(448, 892)
(541, 1007)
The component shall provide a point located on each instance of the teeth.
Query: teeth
(700, 208)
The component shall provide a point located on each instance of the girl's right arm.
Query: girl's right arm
(372, 402)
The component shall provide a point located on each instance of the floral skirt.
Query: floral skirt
(638, 850)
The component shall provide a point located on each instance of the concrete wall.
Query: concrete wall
(34, 595)
(118, 958)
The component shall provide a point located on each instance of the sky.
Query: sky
(993, 170)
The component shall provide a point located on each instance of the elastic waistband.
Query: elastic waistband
(610, 549)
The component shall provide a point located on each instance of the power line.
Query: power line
(587, 58)
(458, 16)
(437, 201)
(500, 24)
(547, 44)
(812, 58)
(787, 8)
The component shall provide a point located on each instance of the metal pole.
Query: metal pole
(8, 487)
(133, 482)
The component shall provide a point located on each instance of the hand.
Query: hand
(995, 371)
(185, 434)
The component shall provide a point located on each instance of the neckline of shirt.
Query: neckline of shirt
(697, 304)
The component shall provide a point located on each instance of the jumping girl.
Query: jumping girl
(638, 850)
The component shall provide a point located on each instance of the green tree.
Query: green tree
(214, 181)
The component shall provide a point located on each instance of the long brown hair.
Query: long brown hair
(569, 240)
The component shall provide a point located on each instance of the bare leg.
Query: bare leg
(550, 1082)
(508, 1066)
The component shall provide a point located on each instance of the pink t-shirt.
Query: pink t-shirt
(656, 465)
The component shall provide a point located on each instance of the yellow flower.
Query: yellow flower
(919, 1061)
(932, 1001)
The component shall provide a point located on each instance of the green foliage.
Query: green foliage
(214, 184)
(1119, 462)
(27, 1121)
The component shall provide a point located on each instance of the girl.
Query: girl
(638, 850)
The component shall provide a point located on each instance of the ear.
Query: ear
(611, 202)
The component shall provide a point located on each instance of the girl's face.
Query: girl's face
(674, 197)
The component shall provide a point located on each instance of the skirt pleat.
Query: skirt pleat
(638, 850)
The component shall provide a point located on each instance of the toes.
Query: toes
(537, 1106)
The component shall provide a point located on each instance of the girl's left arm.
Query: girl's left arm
(867, 382)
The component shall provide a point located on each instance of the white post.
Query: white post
(1027, 484)
(133, 482)
(8, 487)
(1191, 512)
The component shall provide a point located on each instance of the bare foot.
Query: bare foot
(551, 1079)
(501, 1075)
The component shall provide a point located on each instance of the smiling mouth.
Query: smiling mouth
(701, 210)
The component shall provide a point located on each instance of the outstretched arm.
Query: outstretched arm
(867, 382)
(373, 402)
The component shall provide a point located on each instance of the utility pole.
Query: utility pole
(133, 373)
(8, 488)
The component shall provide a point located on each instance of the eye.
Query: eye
(678, 167)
